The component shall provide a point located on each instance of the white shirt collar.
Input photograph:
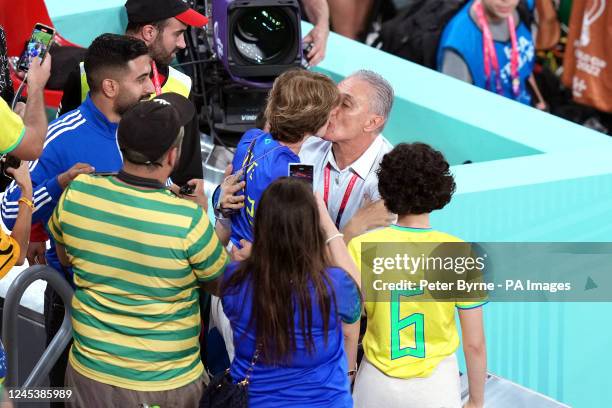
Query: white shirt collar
(363, 165)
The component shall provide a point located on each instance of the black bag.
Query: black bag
(414, 34)
(223, 393)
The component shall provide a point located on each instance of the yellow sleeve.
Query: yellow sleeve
(9, 253)
(11, 130)
(207, 256)
(470, 305)
(54, 225)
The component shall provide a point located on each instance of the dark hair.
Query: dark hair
(287, 261)
(300, 102)
(415, 179)
(109, 53)
(134, 28)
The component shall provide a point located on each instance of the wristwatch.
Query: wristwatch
(220, 213)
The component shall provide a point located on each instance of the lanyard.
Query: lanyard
(156, 79)
(347, 193)
(490, 55)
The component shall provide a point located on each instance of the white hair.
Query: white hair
(382, 100)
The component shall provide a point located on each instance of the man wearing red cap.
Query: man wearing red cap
(161, 25)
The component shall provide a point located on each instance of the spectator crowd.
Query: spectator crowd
(280, 266)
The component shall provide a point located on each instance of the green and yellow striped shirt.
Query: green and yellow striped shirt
(137, 257)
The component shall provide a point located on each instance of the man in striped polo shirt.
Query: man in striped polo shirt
(138, 254)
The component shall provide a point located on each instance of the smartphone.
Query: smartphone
(302, 171)
(37, 46)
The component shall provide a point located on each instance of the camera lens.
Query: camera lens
(263, 35)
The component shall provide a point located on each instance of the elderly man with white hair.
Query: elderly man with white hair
(346, 158)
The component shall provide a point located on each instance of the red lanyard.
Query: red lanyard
(347, 193)
(156, 79)
(490, 55)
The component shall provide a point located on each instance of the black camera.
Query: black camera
(8, 161)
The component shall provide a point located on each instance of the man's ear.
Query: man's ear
(148, 33)
(172, 157)
(374, 124)
(110, 88)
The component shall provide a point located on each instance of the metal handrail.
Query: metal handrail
(10, 317)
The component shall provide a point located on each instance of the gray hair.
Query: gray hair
(382, 100)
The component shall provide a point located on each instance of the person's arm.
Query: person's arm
(338, 253)
(372, 215)
(223, 229)
(207, 257)
(197, 196)
(62, 255)
(38, 245)
(55, 230)
(317, 12)
(35, 118)
(350, 332)
(21, 229)
(228, 202)
(475, 351)
(349, 18)
(49, 180)
(541, 103)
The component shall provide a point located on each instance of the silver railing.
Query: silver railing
(10, 318)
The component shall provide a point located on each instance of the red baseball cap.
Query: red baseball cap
(192, 18)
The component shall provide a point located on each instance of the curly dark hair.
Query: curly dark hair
(415, 179)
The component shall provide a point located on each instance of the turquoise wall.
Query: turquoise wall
(534, 178)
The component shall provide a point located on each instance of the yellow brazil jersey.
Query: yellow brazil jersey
(12, 128)
(408, 339)
(9, 253)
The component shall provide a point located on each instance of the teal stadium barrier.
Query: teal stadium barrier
(534, 177)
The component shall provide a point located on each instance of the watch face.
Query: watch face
(215, 198)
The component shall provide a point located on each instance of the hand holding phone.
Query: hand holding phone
(37, 46)
(39, 73)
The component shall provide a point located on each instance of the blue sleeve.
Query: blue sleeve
(280, 164)
(348, 297)
(46, 189)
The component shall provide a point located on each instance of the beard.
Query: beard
(125, 103)
(159, 54)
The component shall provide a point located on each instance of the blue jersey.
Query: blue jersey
(84, 135)
(308, 380)
(463, 36)
(268, 160)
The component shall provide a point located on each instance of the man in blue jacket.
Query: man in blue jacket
(84, 141)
